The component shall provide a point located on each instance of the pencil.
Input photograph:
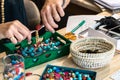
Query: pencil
(78, 26)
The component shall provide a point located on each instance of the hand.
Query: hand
(53, 11)
(15, 31)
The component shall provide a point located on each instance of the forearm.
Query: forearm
(65, 3)
(40, 3)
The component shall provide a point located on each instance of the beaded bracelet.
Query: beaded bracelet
(63, 3)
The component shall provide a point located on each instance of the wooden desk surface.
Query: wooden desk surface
(102, 73)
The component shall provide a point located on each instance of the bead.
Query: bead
(32, 54)
(57, 43)
(31, 49)
(25, 49)
(58, 70)
(38, 27)
(54, 68)
(47, 41)
(24, 53)
(14, 62)
(50, 70)
(73, 75)
(48, 47)
(76, 73)
(35, 60)
(10, 74)
(45, 47)
(88, 78)
(47, 55)
(53, 44)
(10, 78)
(61, 78)
(51, 48)
(2, 11)
(39, 49)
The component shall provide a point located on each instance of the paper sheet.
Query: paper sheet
(73, 21)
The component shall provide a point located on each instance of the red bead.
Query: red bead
(28, 74)
(38, 27)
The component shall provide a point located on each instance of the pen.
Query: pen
(78, 26)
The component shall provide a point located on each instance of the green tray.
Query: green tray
(10, 48)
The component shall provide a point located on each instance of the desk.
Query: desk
(102, 73)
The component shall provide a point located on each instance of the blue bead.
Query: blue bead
(25, 49)
(76, 73)
(51, 48)
(79, 75)
(24, 53)
(39, 49)
(45, 47)
(47, 41)
(31, 49)
(36, 59)
(53, 44)
(88, 78)
(14, 62)
(57, 43)
(61, 78)
(50, 70)
(32, 54)
(75, 79)
(79, 78)
(58, 70)
(19, 76)
(54, 68)
(48, 47)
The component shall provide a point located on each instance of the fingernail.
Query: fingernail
(29, 42)
(53, 31)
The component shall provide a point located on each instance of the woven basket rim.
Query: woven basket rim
(93, 58)
(97, 38)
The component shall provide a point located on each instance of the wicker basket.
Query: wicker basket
(92, 52)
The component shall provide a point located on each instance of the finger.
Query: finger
(55, 14)
(24, 31)
(29, 37)
(9, 34)
(18, 36)
(44, 19)
(11, 37)
(20, 25)
(13, 40)
(60, 10)
(50, 18)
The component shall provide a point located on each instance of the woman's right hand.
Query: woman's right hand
(15, 31)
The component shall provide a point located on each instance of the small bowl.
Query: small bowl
(92, 52)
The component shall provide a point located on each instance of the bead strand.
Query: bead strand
(2, 11)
